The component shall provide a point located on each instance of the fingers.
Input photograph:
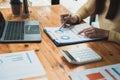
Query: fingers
(89, 32)
(90, 35)
(71, 19)
(86, 30)
(68, 18)
(64, 17)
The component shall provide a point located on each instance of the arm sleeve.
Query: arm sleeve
(86, 10)
(114, 36)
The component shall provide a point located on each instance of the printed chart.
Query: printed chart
(111, 72)
(20, 65)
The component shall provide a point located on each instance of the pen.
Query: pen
(64, 23)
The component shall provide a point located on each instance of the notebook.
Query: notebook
(68, 36)
(19, 31)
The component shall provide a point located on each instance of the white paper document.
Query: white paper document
(20, 65)
(68, 35)
(111, 72)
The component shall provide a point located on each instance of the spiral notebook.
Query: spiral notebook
(68, 36)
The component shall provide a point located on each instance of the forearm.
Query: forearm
(114, 36)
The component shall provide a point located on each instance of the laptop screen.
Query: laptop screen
(2, 24)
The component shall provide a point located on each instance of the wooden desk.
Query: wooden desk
(57, 68)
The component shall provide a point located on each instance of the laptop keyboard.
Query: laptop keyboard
(15, 31)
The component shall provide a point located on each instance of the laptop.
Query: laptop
(19, 31)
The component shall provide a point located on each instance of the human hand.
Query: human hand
(93, 32)
(70, 20)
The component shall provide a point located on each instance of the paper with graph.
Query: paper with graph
(68, 35)
(110, 72)
(20, 65)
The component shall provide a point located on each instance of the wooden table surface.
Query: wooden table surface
(55, 65)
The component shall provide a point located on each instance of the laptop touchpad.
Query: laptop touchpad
(32, 29)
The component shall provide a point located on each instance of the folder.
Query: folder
(68, 36)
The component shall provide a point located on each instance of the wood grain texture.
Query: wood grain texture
(57, 68)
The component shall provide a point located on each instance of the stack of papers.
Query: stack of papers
(20, 65)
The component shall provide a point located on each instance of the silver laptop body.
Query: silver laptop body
(19, 31)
